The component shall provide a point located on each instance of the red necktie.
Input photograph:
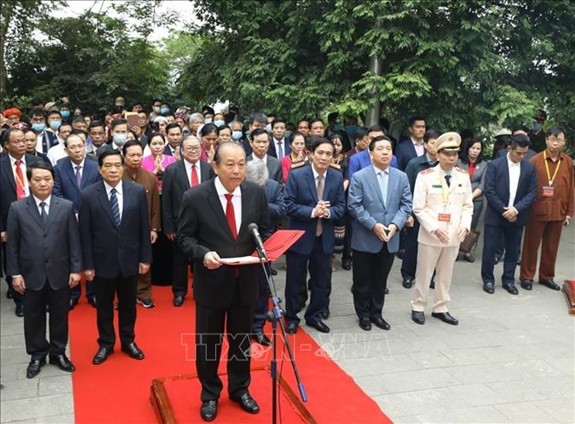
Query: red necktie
(195, 181)
(20, 192)
(231, 216)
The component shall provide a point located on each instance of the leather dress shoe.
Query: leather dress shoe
(511, 288)
(291, 327)
(274, 272)
(407, 283)
(469, 258)
(550, 284)
(488, 288)
(497, 259)
(526, 284)
(365, 324)
(133, 351)
(247, 403)
(319, 326)
(9, 294)
(62, 362)
(19, 310)
(102, 355)
(209, 410)
(432, 284)
(400, 253)
(445, 317)
(346, 263)
(178, 301)
(73, 303)
(418, 317)
(386, 290)
(379, 322)
(325, 313)
(34, 367)
(92, 301)
(261, 338)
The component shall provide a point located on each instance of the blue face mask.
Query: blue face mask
(120, 139)
(219, 123)
(65, 113)
(236, 135)
(164, 110)
(38, 127)
(55, 125)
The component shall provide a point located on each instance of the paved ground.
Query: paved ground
(511, 359)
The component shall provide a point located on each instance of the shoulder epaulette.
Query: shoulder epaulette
(427, 171)
(461, 170)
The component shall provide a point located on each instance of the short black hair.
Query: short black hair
(96, 124)
(117, 122)
(109, 153)
(256, 132)
(318, 141)
(278, 120)
(40, 164)
(414, 118)
(172, 126)
(156, 134)
(431, 134)
(379, 138)
(376, 128)
(360, 132)
(519, 140)
(130, 143)
(37, 112)
(555, 131)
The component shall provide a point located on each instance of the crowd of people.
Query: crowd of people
(132, 199)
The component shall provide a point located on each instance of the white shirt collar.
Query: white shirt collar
(221, 190)
(119, 188)
(38, 201)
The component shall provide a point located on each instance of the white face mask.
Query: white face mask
(208, 121)
(269, 127)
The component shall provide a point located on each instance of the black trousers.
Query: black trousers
(370, 272)
(410, 245)
(180, 266)
(16, 297)
(35, 302)
(210, 324)
(106, 290)
(319, 268)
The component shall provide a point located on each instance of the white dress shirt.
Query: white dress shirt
(236, 201)
(514, 174)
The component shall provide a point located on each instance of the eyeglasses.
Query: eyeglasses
(556, 140)
(192, 148)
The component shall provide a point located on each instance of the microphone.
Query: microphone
(253, 229)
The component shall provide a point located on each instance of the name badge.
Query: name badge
(444, 217)
(548, 191)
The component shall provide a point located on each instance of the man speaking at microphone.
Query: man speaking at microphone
(213, 224)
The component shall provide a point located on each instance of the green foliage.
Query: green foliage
(471, 64)
(90, 59)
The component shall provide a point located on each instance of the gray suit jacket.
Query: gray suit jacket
(274, 168)
(43, 254)
(365, 204)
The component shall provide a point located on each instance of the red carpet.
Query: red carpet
(118, 390)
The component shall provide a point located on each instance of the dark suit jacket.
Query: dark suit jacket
(65, 184)
(113, 251)
(274, 168)
(272, 148)
(174, 184)
(43, 254)
(203, 227)
(8, 185)
(496, 189)
(405, 151)
(49, 139)
(276, 204)
(300, 197)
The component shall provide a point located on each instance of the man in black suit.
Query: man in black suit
(510, 188)
(73, 174)
(174, 137)
(178, 178)
(44, 261)
(213, 224)
(260, 142)
(13, 186)
(116, 247)
(279, 145)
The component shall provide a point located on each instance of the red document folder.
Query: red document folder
(275, 246)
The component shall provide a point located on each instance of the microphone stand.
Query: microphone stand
(275, 316)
